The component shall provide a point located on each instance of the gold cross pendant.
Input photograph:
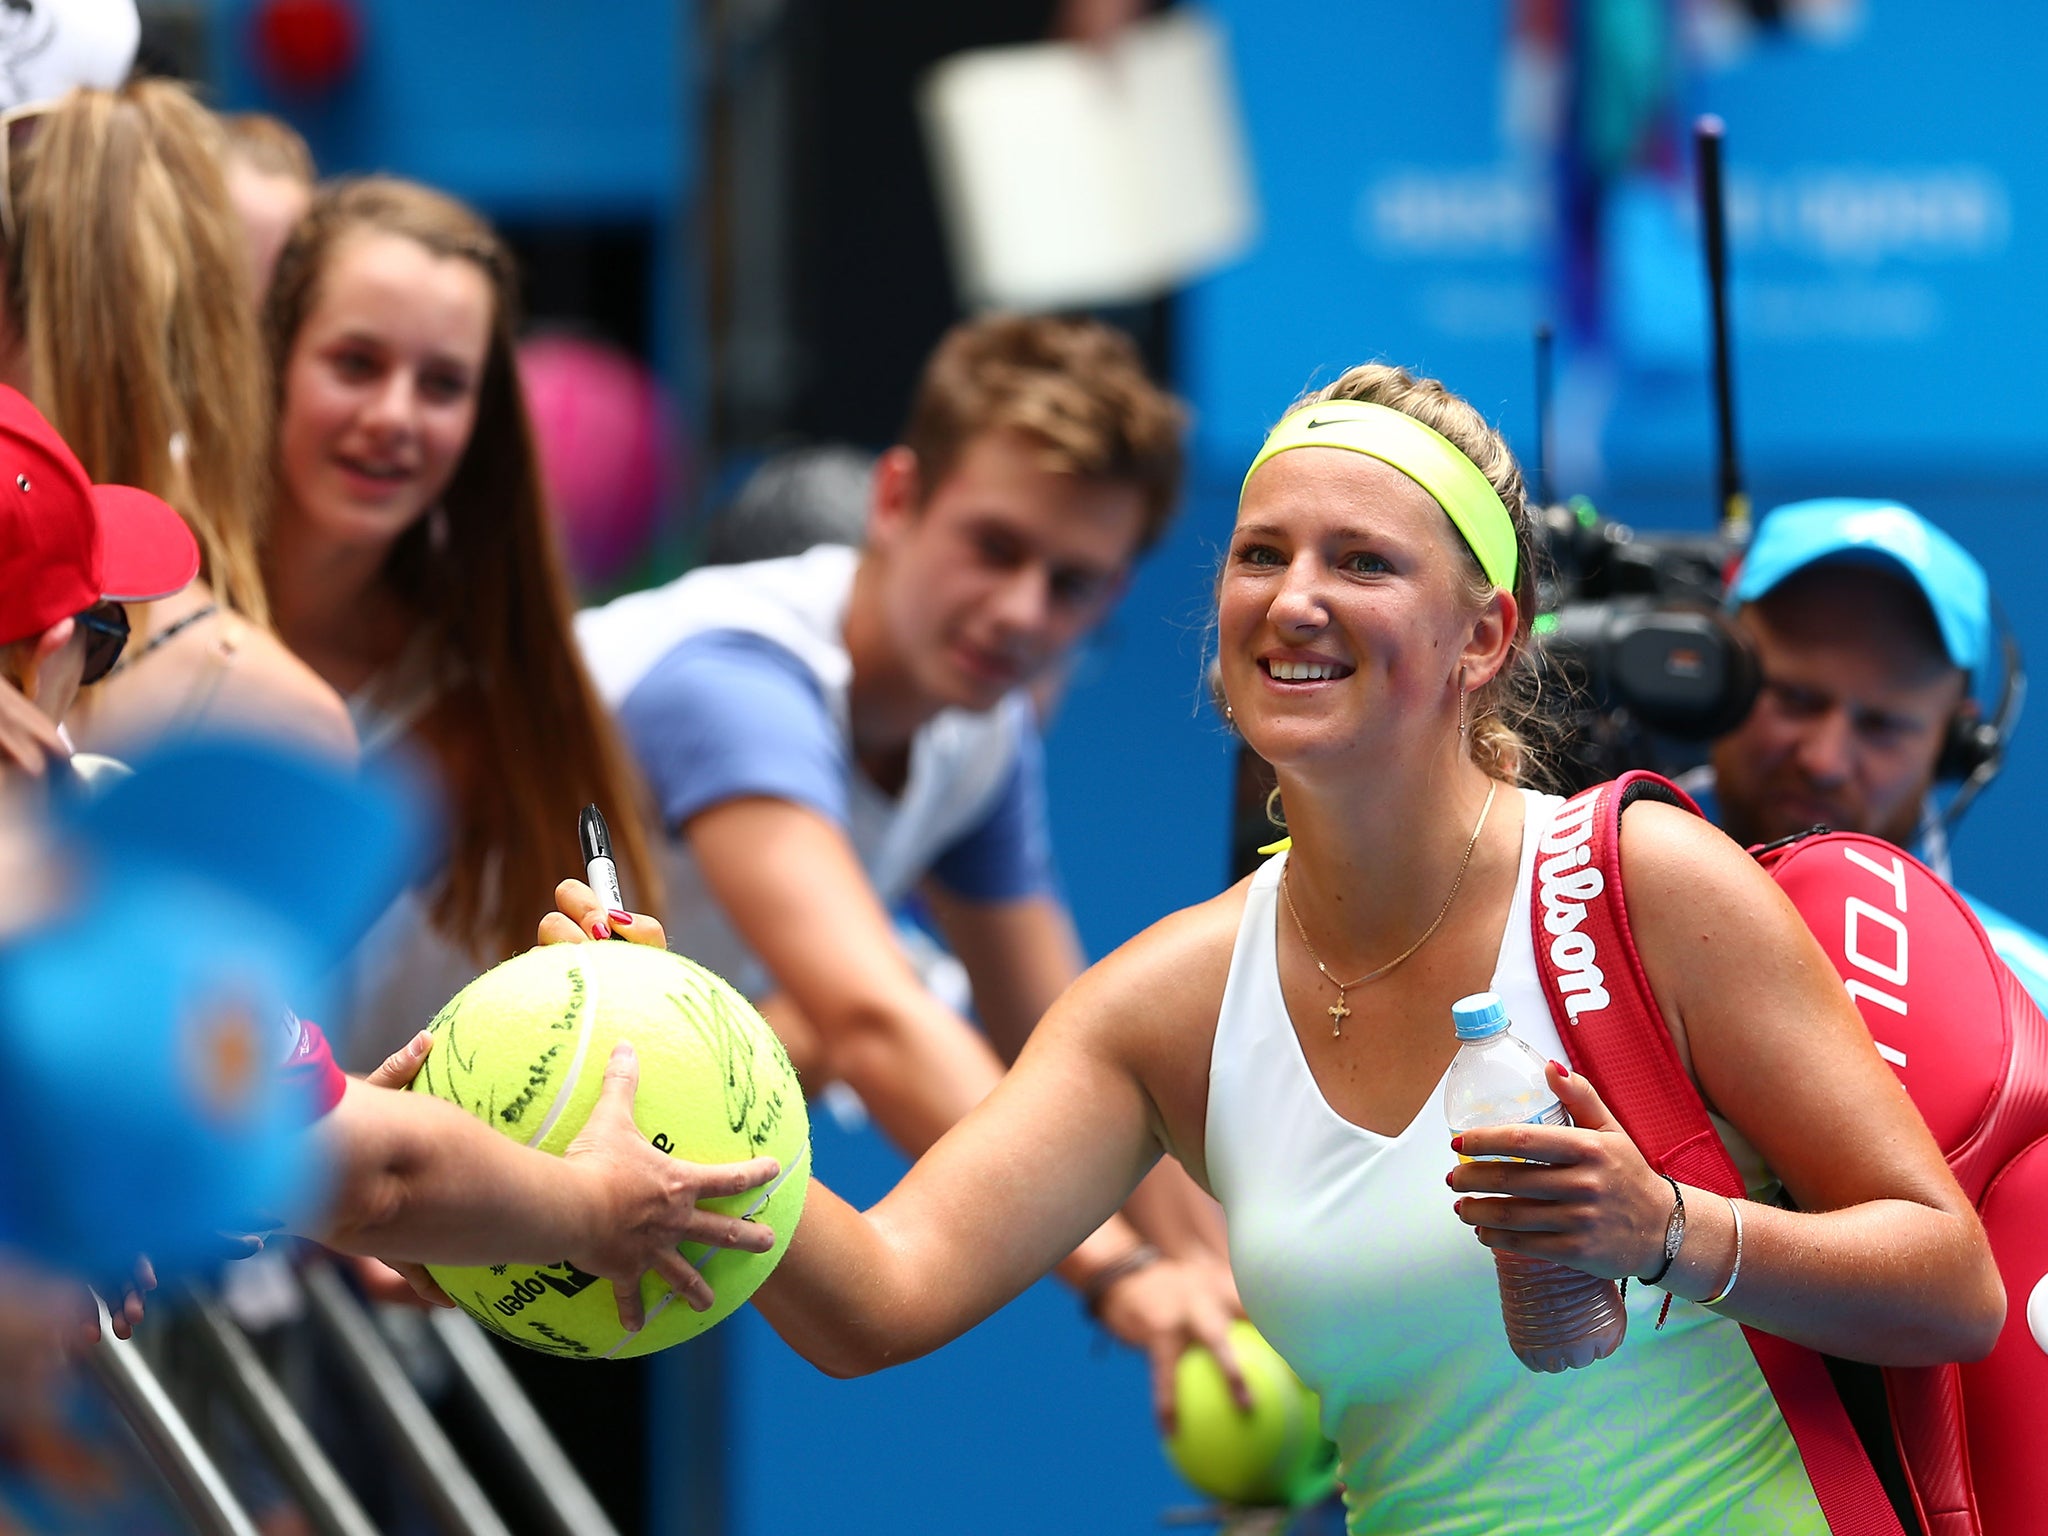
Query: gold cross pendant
(1338, 1014)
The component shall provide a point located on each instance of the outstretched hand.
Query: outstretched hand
(1169, 1305)
(640, 1202)
(643, 1202)
(1583, 1196)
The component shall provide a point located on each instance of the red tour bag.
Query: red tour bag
(1972, 1051)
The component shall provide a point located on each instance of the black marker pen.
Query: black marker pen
(599, 872)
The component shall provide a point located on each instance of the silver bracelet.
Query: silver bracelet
(1734, 1210)
(1674, 1232)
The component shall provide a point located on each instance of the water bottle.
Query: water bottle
(1558, 1318)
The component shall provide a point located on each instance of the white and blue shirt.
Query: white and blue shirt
(732, 681)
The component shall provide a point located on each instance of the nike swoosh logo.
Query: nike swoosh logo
(1339, 421)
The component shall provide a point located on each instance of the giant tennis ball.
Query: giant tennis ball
(1275, 1454)
(524, 1047)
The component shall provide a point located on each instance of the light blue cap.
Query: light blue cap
(1850, 531)
(143, 1103)
(146, 1111)
(1480, 1015)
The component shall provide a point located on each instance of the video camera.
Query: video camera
(1634, 628)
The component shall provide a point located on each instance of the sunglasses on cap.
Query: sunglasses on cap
(106, 634)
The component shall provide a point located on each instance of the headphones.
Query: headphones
(1974, 752)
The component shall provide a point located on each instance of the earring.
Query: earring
(437, 529)
(1461, 704)
(1229, 714)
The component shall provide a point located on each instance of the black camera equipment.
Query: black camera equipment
(1632, 627)
(1635, 624)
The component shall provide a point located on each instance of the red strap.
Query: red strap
(1614, 1032)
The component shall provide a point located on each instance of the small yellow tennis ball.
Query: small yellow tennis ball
(524, 1047)
(1275, 1454)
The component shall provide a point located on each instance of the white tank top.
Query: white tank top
(1353, 1266)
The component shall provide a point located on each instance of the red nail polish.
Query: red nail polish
(1447, 1182)
(1560, 1069)
(598, 929)
(1457, 1143)
(621, 919)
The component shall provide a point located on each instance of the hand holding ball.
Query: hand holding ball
(529, 1049)
(633, 1193)
(1275, 1454)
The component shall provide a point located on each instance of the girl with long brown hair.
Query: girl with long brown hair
(411, 562)
(128, 320)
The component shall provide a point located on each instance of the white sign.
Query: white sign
(1072, 175)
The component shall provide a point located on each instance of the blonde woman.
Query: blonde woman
(127, 318)
(1288, 1041)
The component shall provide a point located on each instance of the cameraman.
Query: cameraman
(1873, 630)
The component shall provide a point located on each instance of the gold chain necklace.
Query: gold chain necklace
(1337, 1011)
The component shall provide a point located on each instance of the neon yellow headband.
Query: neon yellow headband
(1424, 455)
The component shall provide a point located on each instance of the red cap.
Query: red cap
(65, 543)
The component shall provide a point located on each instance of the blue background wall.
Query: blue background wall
(1889, 253)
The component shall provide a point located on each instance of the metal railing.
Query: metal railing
(221, 1365)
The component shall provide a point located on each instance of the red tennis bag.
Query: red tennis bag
(1971, 1441)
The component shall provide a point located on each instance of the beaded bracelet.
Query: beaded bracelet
(1734, 1210)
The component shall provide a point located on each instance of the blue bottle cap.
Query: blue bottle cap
(1480, 1015)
